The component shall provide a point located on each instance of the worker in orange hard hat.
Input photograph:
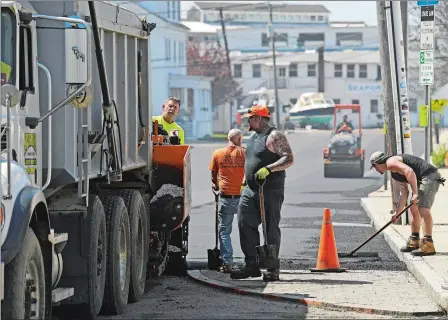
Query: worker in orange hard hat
(267, 156)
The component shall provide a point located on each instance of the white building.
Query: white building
(296, 27)
(349, 78)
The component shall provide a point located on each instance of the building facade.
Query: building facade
(352, 77)
(296, 27)
(169, 68)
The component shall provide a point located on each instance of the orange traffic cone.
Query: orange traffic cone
(327, 259)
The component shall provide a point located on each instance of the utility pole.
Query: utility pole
(387, 94)
(404, 19)
(229, 66)
(277, 104)
(321, 71)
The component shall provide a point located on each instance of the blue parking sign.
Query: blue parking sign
(427, 3)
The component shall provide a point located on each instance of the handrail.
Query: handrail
(68, 99)
(47, 72)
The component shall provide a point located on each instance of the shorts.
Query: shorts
(427, 190)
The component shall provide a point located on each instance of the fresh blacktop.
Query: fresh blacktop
(375, 292)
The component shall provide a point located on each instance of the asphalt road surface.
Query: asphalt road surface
(307, 194)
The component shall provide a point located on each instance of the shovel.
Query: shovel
(214, 259)
(266, 254)
(371, 254)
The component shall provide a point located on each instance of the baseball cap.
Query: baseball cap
(375, 157)
(261, 111)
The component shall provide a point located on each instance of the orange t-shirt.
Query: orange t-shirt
(229, 163)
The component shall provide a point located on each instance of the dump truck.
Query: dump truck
(95, 198)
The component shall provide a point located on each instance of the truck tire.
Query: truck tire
(139, 242)
(178, 249)
(98, 257)
(118, 270)
(25, 282)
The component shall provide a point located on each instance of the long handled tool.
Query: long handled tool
(266, 254)
(214, 255)
(371, 254)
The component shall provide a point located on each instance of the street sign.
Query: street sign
(427, 3)
(427, 45)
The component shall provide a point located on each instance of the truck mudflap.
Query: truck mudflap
(27, 200)
(172, 165)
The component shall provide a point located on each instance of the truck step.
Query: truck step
(59, 241)
(60, 294)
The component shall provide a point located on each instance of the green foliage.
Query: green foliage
(438, 156)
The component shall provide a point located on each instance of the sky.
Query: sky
(340, 10)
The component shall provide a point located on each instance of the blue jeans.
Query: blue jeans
(227, 209)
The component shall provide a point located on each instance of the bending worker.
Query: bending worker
(268, 154)
(227, 168)
(170, 110)
(424, 180)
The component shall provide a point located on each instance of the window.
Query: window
(378, 72)
(8, 47)
(373, 106)
(168, 9)
(412, 105)
(320, 18)
(293, 70)
(313, 18)
(349, 38)
(311, 70)
(168, 49)
(279, 37)
(355, 101)
(181, 53)
(350, 71)
(338, 70)
(256, 70)
(175, 51)
(237, 70)
(363, 71)
(26, 80)
(282, 72)
(337, 101)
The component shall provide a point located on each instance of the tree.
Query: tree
(209, 60)
(440, 43)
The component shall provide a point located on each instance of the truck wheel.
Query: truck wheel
(139, 242)
(177, 259)
(25, 282)
(326, 171)
(98, 257)
(118, 256)
(361, 169)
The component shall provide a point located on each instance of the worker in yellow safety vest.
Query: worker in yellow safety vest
(6, 72)
(170, 110)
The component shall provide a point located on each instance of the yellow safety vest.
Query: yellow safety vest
(6, 69)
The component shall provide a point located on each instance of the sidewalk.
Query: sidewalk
(371, 292)
(431, 271)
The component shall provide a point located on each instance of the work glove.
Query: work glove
(262, 173)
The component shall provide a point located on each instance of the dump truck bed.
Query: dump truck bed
(122, 35)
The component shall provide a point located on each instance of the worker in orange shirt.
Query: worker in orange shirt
(227, 169)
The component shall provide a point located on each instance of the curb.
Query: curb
(197, 276)
(417, 266)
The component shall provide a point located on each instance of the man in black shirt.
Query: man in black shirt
(424, 180)
(267, 156)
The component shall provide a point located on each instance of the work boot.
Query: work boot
(271, 275)
(411, 245)
(246, 271)
(225, 268)
(426, 249)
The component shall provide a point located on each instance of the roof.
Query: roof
(290, 8)
(348, 24)
(284, 59)
(201, 27)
